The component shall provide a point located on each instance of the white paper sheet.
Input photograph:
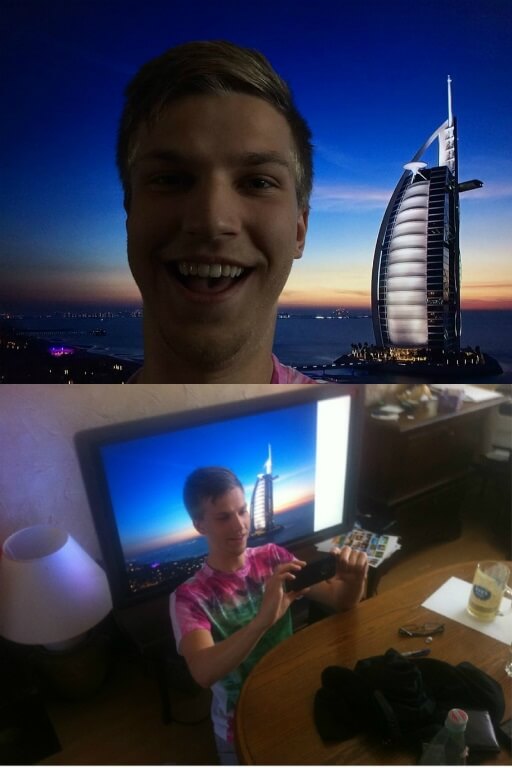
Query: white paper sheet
(451, 600)
(472, 394)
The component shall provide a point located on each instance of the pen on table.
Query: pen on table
(416, 654)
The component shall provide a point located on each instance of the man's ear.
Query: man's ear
(199, 526)
(302, 228)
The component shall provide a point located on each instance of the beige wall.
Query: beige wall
(376, 392)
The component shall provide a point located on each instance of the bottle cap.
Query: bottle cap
(456, 720)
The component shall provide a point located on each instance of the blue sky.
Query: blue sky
(370, 77)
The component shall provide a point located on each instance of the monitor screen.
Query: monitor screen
(295, 453)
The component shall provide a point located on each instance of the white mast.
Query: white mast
(450, 115)
(268, 463)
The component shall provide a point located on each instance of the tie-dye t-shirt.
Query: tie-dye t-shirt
(222, 603)
(284, 374)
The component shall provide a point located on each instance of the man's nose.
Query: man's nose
(212, 209)
(238, 526)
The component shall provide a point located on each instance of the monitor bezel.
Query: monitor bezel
(88, 444)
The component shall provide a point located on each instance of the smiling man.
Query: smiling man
(216, 165)
(235, 607)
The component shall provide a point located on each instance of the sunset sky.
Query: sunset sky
(369, 76)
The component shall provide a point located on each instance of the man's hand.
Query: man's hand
(346, 588)
(210, 661)
(276, 600)
(351, 565)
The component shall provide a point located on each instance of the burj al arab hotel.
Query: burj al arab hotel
(416, 278)
(262, 502)
(416, 267)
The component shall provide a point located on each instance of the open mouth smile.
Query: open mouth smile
(207, 281)
(188, 268)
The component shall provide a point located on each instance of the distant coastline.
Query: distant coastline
(303, 335)
(298, 341)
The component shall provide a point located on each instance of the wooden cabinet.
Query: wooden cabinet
(416, 472)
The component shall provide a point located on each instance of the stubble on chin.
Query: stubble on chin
(199, 345)
(211, 344)
(208, 352)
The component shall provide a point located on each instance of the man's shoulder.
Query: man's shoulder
(284, 374)
(194, 583)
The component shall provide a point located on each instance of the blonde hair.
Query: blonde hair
(208, 67)
(207, 483)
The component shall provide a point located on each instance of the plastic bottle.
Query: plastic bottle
(448, 747)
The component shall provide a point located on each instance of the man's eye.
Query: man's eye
(258, 182)
(169, 180)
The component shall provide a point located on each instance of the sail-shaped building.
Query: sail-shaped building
(416, 267)
(262, 501)
(416, 278)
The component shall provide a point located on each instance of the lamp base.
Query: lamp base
(75, 672)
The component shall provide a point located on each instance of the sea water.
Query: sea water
(298, 340)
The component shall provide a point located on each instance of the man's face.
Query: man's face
(226, 523)
(214, 225)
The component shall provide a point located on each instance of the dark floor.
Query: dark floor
(122, 725)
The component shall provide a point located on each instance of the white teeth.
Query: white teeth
(208, 270)
(215, 270)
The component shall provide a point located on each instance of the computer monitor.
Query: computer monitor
(296, 454)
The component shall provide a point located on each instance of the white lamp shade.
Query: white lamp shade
(51, 590)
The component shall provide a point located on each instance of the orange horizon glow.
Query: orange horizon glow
(107, 301)
(308, 289)
(285, 506)
(487, 295)
(501, 299)
(468, 302)
(115, 288)
(188, 533)
(157, 542)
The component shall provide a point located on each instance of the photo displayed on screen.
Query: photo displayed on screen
(292, 463)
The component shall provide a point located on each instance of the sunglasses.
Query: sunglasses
(420, 630)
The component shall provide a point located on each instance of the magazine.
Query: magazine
(378, 547)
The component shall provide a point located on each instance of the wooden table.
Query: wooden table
(274, 718)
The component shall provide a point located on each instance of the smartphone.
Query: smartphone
(313, 573)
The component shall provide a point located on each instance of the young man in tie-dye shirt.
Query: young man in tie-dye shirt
(235, 608)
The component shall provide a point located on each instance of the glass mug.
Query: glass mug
(489, 586)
